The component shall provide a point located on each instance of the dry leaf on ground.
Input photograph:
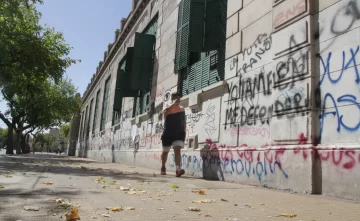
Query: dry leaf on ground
(201, 192)
(73, 216)
(31, 208)
(204, 201)
(289, 215)
(112, 182)
(114, 209)
(174, 186)
(48, 183)
(129, 208)
(194, 209)
(224, 200)
(124, 188)
(100, 180)
(131, 192)
(2, 186)
(106, 215)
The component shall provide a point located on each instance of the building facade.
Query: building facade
(271, 90)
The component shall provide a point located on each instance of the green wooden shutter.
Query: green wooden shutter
(96, 111)
(205, 72)
(142, 61)
(182, 39)
(215, 13)
(196, 35)
(118, 90)
(126, 76)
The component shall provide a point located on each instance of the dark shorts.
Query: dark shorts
(174, 141)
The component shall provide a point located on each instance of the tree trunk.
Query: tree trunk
(23, 144)
(10, 141)
(18, 142)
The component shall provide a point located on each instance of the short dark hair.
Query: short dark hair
(175, 94)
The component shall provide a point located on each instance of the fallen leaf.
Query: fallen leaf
(106, 215)
(141, 191)
(248, 206)
(289, 215)
(131, 192)
(124, 188)
(112, 183)
(65, 205)
(262, 204)
(207, 215)
(114, 209)
(201, 192)
(58, 200)
(224, 200)
(73, 216)
(48, 183)
(204, 201)
(104, 187)
(194, 209)
(100, 180)
(160, 208)
(235, 204)
(129, 208)
(2, 186)
(177, 201)
(31, 208)
(174, 186)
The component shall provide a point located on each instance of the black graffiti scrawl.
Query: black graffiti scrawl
(210, 126)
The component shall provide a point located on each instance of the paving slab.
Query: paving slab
(92, 186)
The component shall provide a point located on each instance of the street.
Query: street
(52, 184)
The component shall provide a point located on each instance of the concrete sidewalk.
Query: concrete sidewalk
(153, 197)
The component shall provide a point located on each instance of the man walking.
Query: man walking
(174, 133)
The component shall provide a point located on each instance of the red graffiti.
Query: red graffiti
(288, 14)
(249, 131)
(340, 158)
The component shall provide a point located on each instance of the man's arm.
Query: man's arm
(168, 106)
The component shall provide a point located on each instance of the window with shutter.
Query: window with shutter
(85, 122)
(105, 104)
(96, 111)
(207, 35)
(145, 42)
(88, 122)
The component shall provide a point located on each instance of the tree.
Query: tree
(3, 137)
(46, 140)
(33, 58)
(65, 130)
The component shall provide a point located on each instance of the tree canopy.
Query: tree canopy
(33, 61)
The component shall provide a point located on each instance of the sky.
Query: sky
(88, 26)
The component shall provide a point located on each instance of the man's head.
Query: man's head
(175, 96)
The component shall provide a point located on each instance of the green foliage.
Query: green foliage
(65, 130)
(33, 60)
(3, 136)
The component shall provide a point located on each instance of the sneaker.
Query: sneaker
(180, 172)
(163, 171)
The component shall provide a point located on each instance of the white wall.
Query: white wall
(287, 115)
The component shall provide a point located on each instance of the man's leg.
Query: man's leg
(178, 145)
(166, 145)
(164, 156)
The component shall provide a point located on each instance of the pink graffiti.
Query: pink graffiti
(249, 131)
